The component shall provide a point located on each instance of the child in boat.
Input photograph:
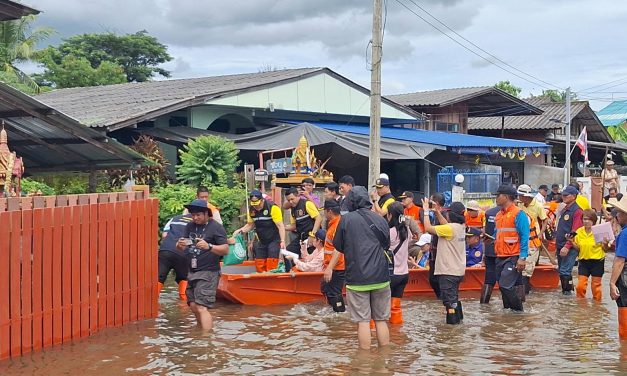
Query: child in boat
(313, 262)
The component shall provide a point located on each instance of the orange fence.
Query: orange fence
(72, 265)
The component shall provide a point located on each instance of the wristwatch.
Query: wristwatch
(210, 246)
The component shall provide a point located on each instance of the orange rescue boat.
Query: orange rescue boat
(240, 284)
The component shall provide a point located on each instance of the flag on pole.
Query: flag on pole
(582, 143)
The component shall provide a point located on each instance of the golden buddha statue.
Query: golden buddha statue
(303, 158)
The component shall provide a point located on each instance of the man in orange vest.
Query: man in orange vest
(334, 273)
(511, 245)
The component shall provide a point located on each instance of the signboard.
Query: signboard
(261, 175)
(279, 166)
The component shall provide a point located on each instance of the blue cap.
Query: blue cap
(570, 190)
(473, 231)
(255, 196)
(198, 206)
(380, 183)
(321, 234)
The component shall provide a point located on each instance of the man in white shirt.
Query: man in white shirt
(543, 191)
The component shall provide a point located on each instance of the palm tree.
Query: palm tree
(17, 44)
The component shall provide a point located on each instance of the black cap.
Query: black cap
(457, 207)
(406, 194)
(380, 183)
(507, 190)
(330, 204)
(543, 186)
(473, 231)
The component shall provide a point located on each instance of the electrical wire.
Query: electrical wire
(596, 86)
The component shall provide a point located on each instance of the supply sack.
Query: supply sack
(237, 252)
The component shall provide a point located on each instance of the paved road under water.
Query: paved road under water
(555, 335)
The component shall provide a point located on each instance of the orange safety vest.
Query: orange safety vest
(478, 221)
(534, 240)
(507, 242)
(328, 245)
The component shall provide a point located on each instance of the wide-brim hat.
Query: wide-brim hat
(619, 205)
(525, 191)
(198, 205)
(473, 205)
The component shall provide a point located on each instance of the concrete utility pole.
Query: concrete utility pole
(567, 140)
(374, 155)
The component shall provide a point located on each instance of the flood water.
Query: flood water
(556, 335)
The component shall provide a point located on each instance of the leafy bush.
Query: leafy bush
(229, 199)
(203, 158)
(149, 175)
(30, 186)
(172, 197)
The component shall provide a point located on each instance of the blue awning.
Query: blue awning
(454, 142)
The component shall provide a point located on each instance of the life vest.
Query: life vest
(386, 198)
(478, 221)
(304, 222)
(534, 240)
(507, 242)
(176, 231)
(329, 248)
(264, 225)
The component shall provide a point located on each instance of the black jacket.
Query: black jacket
(366, 262)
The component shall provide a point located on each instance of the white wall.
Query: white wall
(536, 175)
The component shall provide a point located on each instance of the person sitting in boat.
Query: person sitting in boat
(313, 262)
(305, 220)
(474, 247)
(419, 258)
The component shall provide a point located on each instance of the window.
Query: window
(447, 127)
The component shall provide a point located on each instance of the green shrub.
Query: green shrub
(230, 201)
(172, 197)
(30, 186)
(203, 158)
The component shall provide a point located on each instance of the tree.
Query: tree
(73, 71)
(509, 88)
(138, 55)
(17, 44)
(203, 158)
(556, 95)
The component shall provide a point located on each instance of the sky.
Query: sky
(565, 43)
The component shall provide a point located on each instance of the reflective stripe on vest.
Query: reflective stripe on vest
(507, 242)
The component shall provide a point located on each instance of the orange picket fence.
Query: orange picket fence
(72, 265)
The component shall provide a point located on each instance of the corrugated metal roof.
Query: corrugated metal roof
(117, 106)
(11, 10)
(50, 140)
(613, 114)
(449, 140)
(553, 117)
(481, 101)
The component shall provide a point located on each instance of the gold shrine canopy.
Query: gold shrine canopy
(49, 140)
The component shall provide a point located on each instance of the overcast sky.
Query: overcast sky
(576, 43)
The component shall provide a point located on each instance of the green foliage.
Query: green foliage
(509, 88)
(137, 55)
(556, 95)
(73, 71)
(204, 158)
(230, 200)
(172, 197)
(619, 133)
(17, 44)
(30, 186)
(156, 174)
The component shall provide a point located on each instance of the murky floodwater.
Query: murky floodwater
(555, 335)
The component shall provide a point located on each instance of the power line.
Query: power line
(481, 49)
(607, 83)
(471, 50)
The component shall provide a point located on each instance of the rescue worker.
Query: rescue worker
(450, 263)
(400, 237)
(591, 257)
(489, 256)
(305, 220)
(511, 245)
(334, 278)
(169, 257)
(618, 279)
(571, 219)
(474, 247)
(475, 217)
(266, 218)
(538, 222)
(381, 197)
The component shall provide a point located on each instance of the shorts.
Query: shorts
(449, 288)
(267, 250)
(594, 268)
(397, 285)
(170, 260)
(202, 286)
(369, 305)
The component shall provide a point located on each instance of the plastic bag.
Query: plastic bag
(279, 269)
(237, 252)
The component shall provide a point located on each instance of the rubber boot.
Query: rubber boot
(597, 289)
(460, 311)
(452, 317)
(182, 288)
(337, 304)
(527, 285)
(622, 323)
(486, 293)
(569, 284)
(566, 284)
(396, 312)
(159, 288)
(582, 286)
(372, 325)
(260, 265)
(505, 298)
(512, 298)
(272, 263)
(520, 292)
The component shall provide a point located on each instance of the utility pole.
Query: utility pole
(567, 140)
(374, 154)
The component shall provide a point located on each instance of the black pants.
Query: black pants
(449, 289)
(490, 270)
(506, 272)
(170, 260)
(267, 250)
(397, 284)
(433, 279)
(333, 288)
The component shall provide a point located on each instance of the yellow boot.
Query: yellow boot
(582, 286)
(396, 313)
(622, 323)
(182, 288)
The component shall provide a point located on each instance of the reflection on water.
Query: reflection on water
(555, 335)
